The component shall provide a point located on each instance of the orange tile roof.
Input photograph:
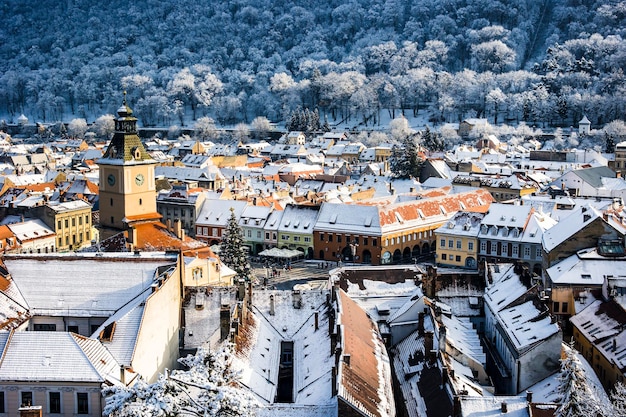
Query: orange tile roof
(360, 380)
(5, 232)
(154, 236)
(475, 200)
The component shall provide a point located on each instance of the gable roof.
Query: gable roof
(55, 356)
(72, 285)
(365, 381)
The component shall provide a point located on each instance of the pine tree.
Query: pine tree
(405, 161)
(577, 396)
(232, 250)
(432, 141)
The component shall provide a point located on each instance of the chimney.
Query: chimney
(177, 228)
(272, 306)
(122, 375)
(529, 397)
(456, 406)
(503, 407)
(224, 321)
(428, 345)
(420, 324)
(241, 290)
(317, 326)
(346, 359)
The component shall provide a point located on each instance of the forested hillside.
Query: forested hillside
(538, 61)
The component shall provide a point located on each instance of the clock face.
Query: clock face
(139, 179)
(111, 179)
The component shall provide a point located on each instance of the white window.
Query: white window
(258, 234)
(515, 251)
(214, 231)
(505, 249)
(538, 253)
(483, 247)
(526, 252)
(284, 237)
(494, 248)
(249, 233)
(459, 244)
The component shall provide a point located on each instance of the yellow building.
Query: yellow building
(457, 240)
(127, 183)
(71, 221)
(600, 335)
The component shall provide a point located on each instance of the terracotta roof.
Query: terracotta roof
(5, 232)
(154, 236)
(477, 200)
(360, 382)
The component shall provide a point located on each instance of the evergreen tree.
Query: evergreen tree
(405, 161)
(232, 250)
(609, 143)
(432, 141)
(577, 396)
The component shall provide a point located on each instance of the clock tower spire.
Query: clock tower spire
(127, 188)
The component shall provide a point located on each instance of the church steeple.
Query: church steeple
(126, 144)
(127, 183)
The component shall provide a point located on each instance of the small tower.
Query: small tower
(127, 183)
(584, 126)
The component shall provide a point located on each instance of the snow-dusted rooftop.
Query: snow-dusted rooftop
(86, 284)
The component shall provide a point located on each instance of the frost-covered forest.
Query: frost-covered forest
(544, 62)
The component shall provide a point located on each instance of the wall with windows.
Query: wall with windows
(58, 399)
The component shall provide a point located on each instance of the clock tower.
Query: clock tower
(127, 184)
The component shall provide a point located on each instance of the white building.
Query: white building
(523, 342)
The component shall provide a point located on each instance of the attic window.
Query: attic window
(306, 225)
(287, 223)
(585, 276)
(106, 335)
(399, 218)
(368, 221)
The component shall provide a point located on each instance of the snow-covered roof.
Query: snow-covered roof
(56, 356)
(524, 323)
(291, 321)
(31, 229)
(217, 212)
(563, 230)
(83, 284)
(491, 406)
(586, 268)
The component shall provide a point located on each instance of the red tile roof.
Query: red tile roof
(360, 380)
(477, 200)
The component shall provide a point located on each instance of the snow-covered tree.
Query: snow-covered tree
(205, 128)
(207, 387)
(105, 126)
(77, 128)
(432, 141)
(261, 126)
(577, 396)
(618, 399)
(232, 249)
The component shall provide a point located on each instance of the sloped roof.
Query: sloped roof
(365, 381)
(52, 356)
(83, 284)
